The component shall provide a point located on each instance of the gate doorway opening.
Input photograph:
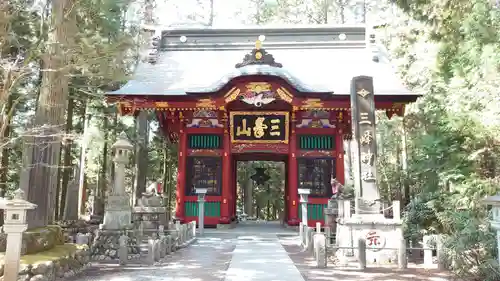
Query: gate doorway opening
(261, 188)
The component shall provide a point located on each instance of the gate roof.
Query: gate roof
(315, 59)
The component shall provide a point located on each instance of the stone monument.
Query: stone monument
(117, 210)
(382, 235)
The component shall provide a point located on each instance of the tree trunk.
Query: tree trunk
(166, 172)
(4, 154)
(49, 117)
(342, 11)
(67, 159)
(103, 182)
(141, 154)
(114, 133)
(212, 14)
(83, 160)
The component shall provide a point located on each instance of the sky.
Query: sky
(172, 12)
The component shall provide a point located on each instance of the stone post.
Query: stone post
(14, 226)
(396, 210)
(494, 201)
(304, 194)
(402, 260)
(163, 241)
(169, 245)
(151, 251)
(442, 259)
(301, 231)
(193, 229)
(319, 241)
(123, 250)
(118, 212)
(362, 253)
(427, 251)
(328, 235)
(347, 209)
(161, 231)
(201, 209)
(178, 231)
(318, 227)
(331, 213)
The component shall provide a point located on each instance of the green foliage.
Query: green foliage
(472, 247)
(450, 54)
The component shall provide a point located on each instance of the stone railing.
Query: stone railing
(315, 242)
(165, 243)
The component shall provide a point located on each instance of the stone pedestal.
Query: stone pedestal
(331, 213)
(382, 236)
(150, 213)
(117, 214)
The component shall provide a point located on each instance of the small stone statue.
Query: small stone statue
(337, 188)
(150, 198)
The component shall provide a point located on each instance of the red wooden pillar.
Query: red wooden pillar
(226, 178)
(181, 172)
(339, 140)
(293, 192)
(233, 186)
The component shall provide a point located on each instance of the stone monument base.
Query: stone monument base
(106, 244)
(382, 236)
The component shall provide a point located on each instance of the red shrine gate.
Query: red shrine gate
(259, 122)
(259, 111)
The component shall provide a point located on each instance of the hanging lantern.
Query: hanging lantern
(260, 177)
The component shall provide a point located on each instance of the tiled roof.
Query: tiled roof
(313, 61)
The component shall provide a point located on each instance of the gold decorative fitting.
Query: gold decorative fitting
(232, 95)
(258, 45)
(363, 93)
(209, 103)
(284, 95)
(161, 104)
(259, 87)
(258, 55)
(312, 103)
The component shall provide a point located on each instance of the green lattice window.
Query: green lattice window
(316, 174)
(204, 141)
(314, 142)
(315, 212)
(212, 209)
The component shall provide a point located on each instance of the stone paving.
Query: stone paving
(205, 260)
(247, 253)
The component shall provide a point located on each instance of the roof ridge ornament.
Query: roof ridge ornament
(258, 56)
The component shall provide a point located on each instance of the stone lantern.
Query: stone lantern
(118, 212)
(201, 208)
(122, 148)
(494, 202)
(14, 226)
(304, 194)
